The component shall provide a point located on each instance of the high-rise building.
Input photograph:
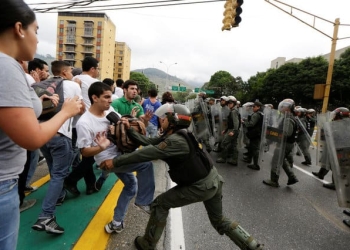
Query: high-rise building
(81, 34)
(122, 61)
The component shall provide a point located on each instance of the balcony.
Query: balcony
(87, 52)
(70, 52)
(88, 35)
(70, 42)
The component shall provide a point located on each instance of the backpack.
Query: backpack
(124, 143)
(49, 87)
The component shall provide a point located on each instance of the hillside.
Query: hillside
(159, 77)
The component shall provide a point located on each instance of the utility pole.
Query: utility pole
(167, 74)
(333, 48)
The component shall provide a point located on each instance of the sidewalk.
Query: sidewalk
(84, 217)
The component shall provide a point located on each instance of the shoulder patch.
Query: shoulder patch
(162, 145)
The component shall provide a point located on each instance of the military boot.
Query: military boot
(307, 161)
(292, 179)
(232, 162)
(321, 173)
(330, 185)
(273, 182)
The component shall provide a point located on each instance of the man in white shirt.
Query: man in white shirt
(90, 72)
(92, 126)
(59, 155)
(119, 89)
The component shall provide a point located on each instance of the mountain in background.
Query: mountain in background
(160, 78)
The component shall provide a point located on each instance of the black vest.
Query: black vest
(192, 167)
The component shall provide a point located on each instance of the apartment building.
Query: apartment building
(82, 34)
(122, 61)
(279, 61)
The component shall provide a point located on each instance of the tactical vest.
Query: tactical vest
(255, 131)
(191, 168)
(293, 137)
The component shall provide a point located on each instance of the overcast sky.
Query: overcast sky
(191, 36)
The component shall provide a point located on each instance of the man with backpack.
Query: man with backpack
(58, 150)
(190, 167)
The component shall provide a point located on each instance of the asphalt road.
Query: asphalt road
(299, 217)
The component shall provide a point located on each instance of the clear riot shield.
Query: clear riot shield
(273, 139)
(245, 111)
(305, 133)
(217, 122)
(201, 122)
(337, 136)
(321, 153)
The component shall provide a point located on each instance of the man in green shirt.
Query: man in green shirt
(126, 105)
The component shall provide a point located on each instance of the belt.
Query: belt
(58, 135)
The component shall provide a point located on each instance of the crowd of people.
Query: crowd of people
(65, 116)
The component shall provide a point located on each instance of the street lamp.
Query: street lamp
(167, 74)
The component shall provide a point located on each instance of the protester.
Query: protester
(21, 107)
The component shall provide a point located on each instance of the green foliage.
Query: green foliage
(143, 81)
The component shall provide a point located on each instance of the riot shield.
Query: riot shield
(337, 136)
(305, 133)
(201, 124)
(245, 111)
(321, 153)
(217, 122)
(273, 139)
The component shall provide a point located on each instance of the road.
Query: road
(299, 217)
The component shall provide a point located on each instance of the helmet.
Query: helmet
(340, 113)
(224, 98)
(231, 98)
(178, 115)
(202, 95)
(269, 106)
(238, 103)
(301, 111)
(310, 111)
(286, 104)
(248, 104)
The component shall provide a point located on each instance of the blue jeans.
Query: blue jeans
(33, 164)
(59, 155)
(9, 219)
(151, 130)
(143, 185)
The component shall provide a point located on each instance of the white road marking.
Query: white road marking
(308, 173)
(177, 237)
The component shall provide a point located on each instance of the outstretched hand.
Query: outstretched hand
(102, 141)
(107, 164)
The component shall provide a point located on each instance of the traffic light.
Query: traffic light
(228, 15)
(237, 10)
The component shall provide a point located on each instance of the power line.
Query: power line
(153, 4)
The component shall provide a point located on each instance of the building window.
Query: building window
(120, 52)
(88, 41)
(60, 45)
(98, 31)
(119, 70)
(88, 28)
(97, 55)
(121, 58)
(60, 53)
(99, 23)
(98, 47)
(61, 30)
(69, 48)
(98, 39)
(120, 64)
(61, 22)
(60, 38)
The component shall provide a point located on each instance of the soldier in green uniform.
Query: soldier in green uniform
(254, 125)
(291, 128)
(229, 143)
(190, 167)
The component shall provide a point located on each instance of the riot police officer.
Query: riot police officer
(196, 178)
(290, 128)
(254, 126)
(338, 114)
(303, 140)
(229, 150)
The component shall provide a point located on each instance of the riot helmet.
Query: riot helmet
(311, 111)
(301, 111)
(231, 99)
(224, 98)
(179, 116)
(286, 105)
(340, 113)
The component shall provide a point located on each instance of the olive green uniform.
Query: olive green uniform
(254, 126)
(175, 148)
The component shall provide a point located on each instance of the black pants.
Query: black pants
(23, 178)
(83, 170)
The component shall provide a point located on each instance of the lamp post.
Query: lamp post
(167, 73)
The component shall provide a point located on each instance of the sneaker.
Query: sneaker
(29, 189)
(27, 204)
(60, 200)
(146, 209)
(99, 183)
(71, 188)
(49, 225)
(111, 227)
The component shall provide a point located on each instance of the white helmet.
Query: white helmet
(231, 98)
(224, 98)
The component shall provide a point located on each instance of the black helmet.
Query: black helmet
(286, 103)
(179, 116)
(340, 113)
